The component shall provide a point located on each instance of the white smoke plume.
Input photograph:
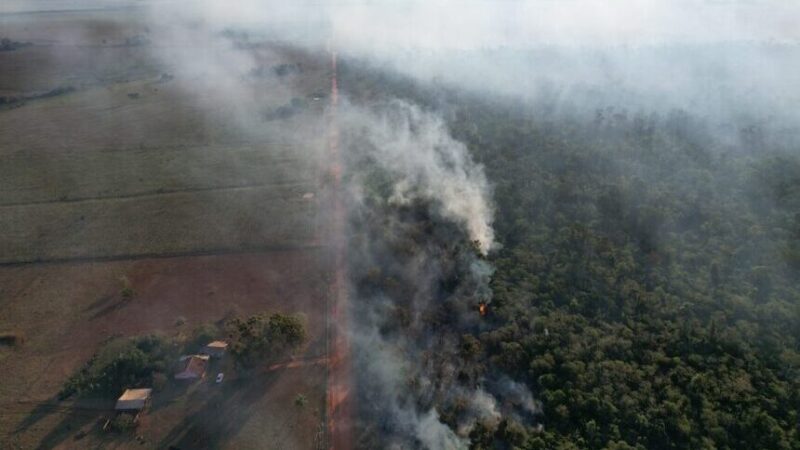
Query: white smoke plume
(714, 56)
(425, 163)
(434, 435)
(416, 146)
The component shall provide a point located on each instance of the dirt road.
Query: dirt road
(340, 398)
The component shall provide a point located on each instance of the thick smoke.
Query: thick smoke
(421, 224)
(425, 162)
(736, 57)
(731, 60)
(417, 194)
(418, 201)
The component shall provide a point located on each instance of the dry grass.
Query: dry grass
(169, 171)
(67, 310)
(180, 223)
(97, 174)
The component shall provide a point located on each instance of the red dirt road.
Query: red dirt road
(296, 363)
(340, 399)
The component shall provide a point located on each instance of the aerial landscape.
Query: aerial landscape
(522, 224)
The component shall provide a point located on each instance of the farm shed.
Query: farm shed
(134, 400)
(194, 369)
(216, 349)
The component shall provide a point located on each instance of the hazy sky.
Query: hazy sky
(483, 23)
(477, 24)
(414, 36)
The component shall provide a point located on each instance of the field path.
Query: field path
(340, 398)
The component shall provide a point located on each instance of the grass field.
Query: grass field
(66, 310)
(134, 173)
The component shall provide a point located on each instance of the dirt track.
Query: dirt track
(340, 399)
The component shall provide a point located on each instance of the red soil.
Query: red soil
(204, 288)
(340, 402)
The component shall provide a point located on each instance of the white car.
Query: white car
(220, 376)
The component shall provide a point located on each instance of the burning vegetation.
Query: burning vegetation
(419, 277)
(591, 261)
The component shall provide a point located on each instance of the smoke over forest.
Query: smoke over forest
(568, 224)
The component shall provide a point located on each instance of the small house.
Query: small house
(134, 400)
(194, 369)
(216, 349)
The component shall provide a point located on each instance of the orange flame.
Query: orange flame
(483, 309)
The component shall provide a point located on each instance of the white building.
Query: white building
(134, 400)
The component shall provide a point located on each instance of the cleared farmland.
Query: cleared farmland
(168, 223)
(208, 208)
(148, 167)
(72, 175)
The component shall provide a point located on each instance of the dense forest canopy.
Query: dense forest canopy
(646, 278)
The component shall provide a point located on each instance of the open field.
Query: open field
(107, 173)
(66, 310)
(132, 173)
(221, 220)
(77, 185)
(75, 50)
